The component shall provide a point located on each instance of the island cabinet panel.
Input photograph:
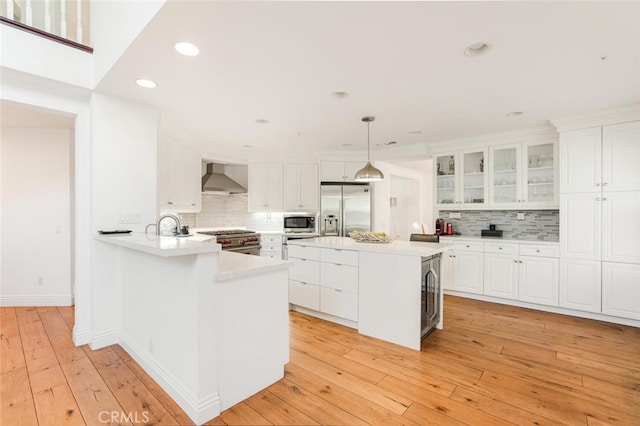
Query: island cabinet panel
(389, 298)
(303, 252)
(339, 277)
(304, 294)
(305, 270)
(343, 257)
(339, 303)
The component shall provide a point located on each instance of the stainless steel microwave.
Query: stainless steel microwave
(300, 223)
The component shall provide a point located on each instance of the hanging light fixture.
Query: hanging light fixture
(368, 173)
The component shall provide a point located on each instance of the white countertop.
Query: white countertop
(161, 245)
(522, 240)
(236, 265)
(408, 248)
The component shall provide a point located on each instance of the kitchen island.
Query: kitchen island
(210, 326)
(374, 287)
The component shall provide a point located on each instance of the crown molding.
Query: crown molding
(601, 118)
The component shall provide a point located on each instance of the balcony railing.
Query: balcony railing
(66, 21)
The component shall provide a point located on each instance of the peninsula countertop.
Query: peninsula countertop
(162, 245)
(407, 248)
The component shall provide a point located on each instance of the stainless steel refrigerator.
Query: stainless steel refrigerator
(344, 207)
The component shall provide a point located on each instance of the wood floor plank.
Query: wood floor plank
(39, 353)
(91, 393)
(134, 397)
(12, 353)
(422, 415)
(242, 414)
(16, 400)
(59, 335)
(375, 394)
(342, 397)
(278, 411)
(68, 314)
(56, 406)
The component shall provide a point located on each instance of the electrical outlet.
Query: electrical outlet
(520, 216)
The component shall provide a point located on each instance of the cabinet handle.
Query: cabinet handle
(604, 199)
(169, 202)
(300, 205)
(520, 261)
(537, 251)
(193, 204)
(337, 264)
(265, 205)
(515, 261)
(339, 291)
(597, 184)
(467, 246)
(605, 184)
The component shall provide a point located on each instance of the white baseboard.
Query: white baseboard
(36, 300)
(322, 315)
(81, 337)
(104, 339)
(200, 410)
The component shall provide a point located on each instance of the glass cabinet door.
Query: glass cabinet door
(446, 179)
(505, 175)
(540, 173)
(473, 182)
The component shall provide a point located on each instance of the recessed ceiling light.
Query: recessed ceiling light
(262, 121)
(415, 132)
(339, 95)
(514, 113)
(186, 49)
(145, 83)
(477, 49)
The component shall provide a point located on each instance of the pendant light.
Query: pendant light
(368, 173)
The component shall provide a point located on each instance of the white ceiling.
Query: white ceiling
(402, 62)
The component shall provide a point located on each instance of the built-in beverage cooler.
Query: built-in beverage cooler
(430, 296)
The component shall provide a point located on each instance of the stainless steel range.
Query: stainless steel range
(237, 240)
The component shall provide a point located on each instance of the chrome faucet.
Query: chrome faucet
(175, 218)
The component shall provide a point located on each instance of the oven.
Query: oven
(300, 223)
(237, 240)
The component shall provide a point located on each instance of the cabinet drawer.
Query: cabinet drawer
(343, 257)
(304, 252)
(270, 240)
(342, 304)
(502, 248)
(307, 271)
(304, 294)
(468, 245)
(539, 250)
(340, 277)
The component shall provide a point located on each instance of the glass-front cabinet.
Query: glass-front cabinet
(461, 179)
(524, 175)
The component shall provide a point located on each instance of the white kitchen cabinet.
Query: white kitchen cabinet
(460, 179)
(339, 171)
(538, 280)
(601, 158)
(271, 246)
(301, 187)
(580, 285)
(501, 270)
(467, 267)
(265, 187)
(621, 224)
(339, 283)
(621, 290)
(523, 175)
(581, 160)
(446, 270)
(581, 226)
(304, 277)
(179, 179)
(304, 294)
(621, 157)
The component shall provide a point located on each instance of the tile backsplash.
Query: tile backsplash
(230, 210)
(537, 224)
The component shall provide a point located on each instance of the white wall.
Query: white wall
(114, 26)
(22, 51)
(124, 182)
(36, 219)
(383, 192)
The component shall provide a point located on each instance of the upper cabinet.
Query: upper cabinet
(301, 187)
(339, 171)
(601, 159)
(461, 179)
(179, 180)
(265, 187)
(523, 175)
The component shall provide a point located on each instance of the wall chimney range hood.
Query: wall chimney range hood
(216, 181)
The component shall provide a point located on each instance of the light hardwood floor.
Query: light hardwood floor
(492, 364)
